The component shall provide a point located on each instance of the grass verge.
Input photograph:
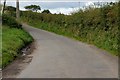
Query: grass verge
(13, 40)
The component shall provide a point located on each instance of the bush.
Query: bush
(10, 21)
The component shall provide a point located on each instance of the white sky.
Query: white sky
(57, 6)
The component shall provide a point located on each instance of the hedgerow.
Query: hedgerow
(98, 26)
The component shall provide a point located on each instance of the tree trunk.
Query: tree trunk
(4, 7)
(17, 10)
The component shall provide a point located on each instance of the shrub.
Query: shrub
(10, 21)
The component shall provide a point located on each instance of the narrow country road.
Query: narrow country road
(57, 56)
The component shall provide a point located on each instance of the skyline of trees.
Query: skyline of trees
(35, 8)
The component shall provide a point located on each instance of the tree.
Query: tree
(10, 8)
(17, 9)
(46, 11)
(33, 8)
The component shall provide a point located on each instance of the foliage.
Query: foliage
(13, 36)
(98, 26)
(46, 11)
(10, 21)
(33, 7)
(10, 8)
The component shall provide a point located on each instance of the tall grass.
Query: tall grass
(13, 40)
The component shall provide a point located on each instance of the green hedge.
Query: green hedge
(10, 21)
(98, 26)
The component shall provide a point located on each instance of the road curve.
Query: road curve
(56, 56)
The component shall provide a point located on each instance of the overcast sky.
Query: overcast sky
(56, 6)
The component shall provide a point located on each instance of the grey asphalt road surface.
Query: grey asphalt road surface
(57, 56)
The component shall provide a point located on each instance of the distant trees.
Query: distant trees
(33, 8)
(10, 8)
(46, 11)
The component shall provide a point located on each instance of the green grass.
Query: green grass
(13, 40)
